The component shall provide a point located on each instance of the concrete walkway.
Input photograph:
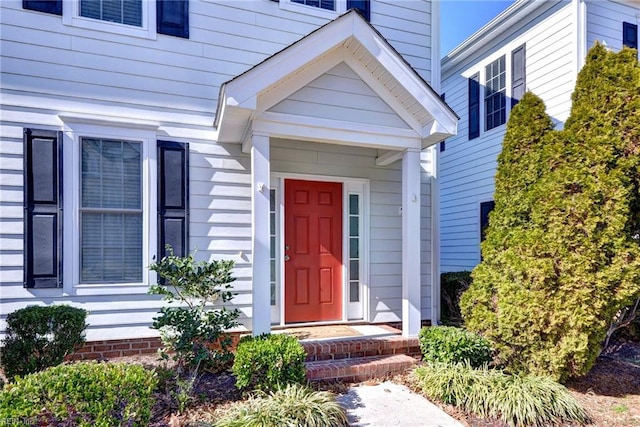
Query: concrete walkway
(390, 404)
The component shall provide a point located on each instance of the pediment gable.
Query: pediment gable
(340, 94)
(306, 71)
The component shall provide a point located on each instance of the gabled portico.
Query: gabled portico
(296, 95)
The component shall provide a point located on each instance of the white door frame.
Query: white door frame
(350, 311)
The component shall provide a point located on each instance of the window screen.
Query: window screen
(128, 12)
(111, 211)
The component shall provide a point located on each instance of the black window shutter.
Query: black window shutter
(363, 6)
(630, 35)
(173, 197)
(474, 106)
(47, 6)
(42, 209)
(485, 209)
(173, 17)
(518, 74)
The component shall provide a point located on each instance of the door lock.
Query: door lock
(286, 258)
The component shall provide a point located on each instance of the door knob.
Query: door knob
(286, 258)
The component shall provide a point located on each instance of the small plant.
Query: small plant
(268, 361)
(85, 394)
(294, 405)
(41, 336)
(517, 400)
(454, 345)
(195, 331)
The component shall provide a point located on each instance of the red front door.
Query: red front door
(313, 251)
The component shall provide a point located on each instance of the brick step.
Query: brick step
(348, 348)
(359, 368)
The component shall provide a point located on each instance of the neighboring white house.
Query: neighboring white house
(291, 137)
(533, 45)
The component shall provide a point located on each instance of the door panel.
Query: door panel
(313, 251)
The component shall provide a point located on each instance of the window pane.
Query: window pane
(353, 204)
(354, 269)
(354, 291)
(354, 247)
(90, 8)
(132, 12)
(127, 12)
(111, 174)
(111, 247)
(353, 226)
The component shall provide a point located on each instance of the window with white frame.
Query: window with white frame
(495, 99)
(111, 213)
(322, 4)
(128, 12)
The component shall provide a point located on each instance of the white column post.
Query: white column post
(260, 240)
(411, 316)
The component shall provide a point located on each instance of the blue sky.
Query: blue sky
(461, 18)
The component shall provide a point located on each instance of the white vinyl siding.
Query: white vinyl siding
(604, 21)
(340, 94)
(54, 67)
(167, 79)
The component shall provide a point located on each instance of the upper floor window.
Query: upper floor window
(322, 4)
(327, 8)
(495, 94)
(128, 12)
(138, 18)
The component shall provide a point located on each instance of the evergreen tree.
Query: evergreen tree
(562, 253)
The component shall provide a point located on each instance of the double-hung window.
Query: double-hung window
(111, 211)
(495, 99)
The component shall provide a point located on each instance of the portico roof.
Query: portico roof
(244, 102)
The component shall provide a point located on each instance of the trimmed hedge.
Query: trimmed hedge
(86, 393)
(454, 345)
(41, 336)
(268, 362)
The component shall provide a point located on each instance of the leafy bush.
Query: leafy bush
(516, 400)
(294, 405)
(269, 361)
(87, 394)
(453, 345)
(452, 285)
(195, 331)
(562, 251)
(41, 336)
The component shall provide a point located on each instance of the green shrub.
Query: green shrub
(452, 285)
(87, 394)
(269, 361)
(562, 252)
(294, 405)
(453, 345)
(38, 337)
(488, 393)
(194, 333)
